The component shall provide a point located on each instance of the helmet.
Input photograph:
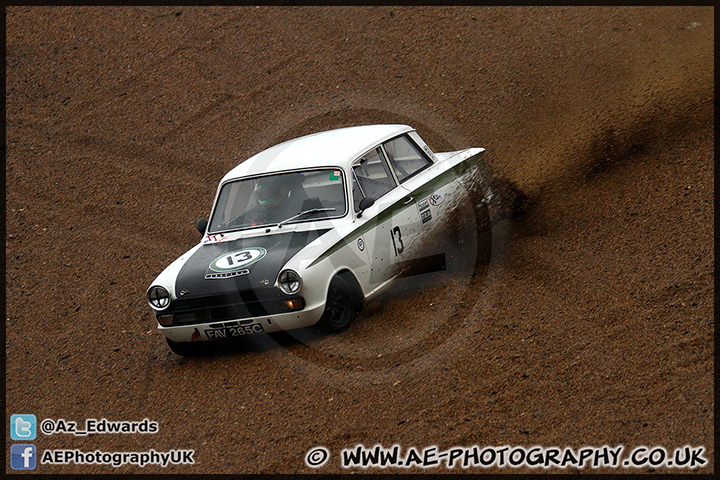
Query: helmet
(269, 191)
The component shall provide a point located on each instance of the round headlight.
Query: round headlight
(289, 281)
(158, 297)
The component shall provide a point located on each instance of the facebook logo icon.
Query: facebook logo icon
(23, 427)
(23, 457)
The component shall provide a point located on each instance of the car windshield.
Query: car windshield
(279, 198)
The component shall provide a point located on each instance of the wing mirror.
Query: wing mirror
(365, 203)
(201, 225)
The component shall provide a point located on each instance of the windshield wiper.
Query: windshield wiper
(305, 212)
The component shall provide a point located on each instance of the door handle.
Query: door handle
(409, 200)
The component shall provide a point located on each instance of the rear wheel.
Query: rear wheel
(341, 307)
(184, 349)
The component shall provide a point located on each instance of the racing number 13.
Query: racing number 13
(396, 236)
(242, 256)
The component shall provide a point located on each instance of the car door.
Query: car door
(433, 186)
(390, 226)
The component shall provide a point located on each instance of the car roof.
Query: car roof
(330, 148)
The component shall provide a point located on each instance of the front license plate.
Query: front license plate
(236, 331)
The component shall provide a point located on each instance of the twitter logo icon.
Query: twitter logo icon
(23, 427)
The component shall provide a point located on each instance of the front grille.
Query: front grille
(231, 306)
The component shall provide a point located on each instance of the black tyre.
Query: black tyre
(341, 308)
(184, 349)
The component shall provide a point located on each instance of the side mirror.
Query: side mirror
(365, 203)
(201, 225)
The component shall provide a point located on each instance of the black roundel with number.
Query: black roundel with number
(239, 265)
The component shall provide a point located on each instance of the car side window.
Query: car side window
(406, 158)
(371, 177)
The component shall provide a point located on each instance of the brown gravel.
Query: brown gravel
(593, 325)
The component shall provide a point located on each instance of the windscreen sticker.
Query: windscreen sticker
(335, 175)
(216, 238)
(237, 260)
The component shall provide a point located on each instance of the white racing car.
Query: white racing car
(306, 231)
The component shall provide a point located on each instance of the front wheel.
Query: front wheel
(341, 306)
(184, 349)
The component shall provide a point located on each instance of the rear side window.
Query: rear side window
(371, 177)
(406, 158)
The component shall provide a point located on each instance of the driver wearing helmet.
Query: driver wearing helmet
(273, 199)
(270, 193)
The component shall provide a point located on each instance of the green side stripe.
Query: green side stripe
(443, 179)
(361, 230)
